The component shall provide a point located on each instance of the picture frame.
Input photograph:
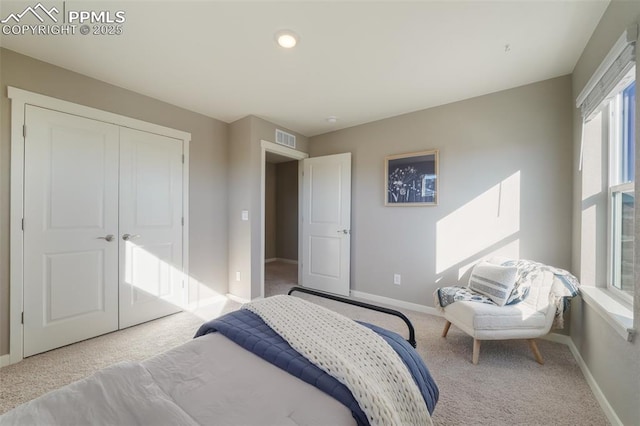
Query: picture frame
(411, 179)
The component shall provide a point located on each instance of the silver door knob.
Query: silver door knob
(107, 237)
(128, 237)
(344, 231)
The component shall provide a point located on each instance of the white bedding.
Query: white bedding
(355, 355)
(208, 381)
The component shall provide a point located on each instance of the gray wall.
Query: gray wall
(505, 188)
(242, 174)
(245, 194)
(208, 166)
(613, 362)
(287, 208)
(281, 211)
(270, 212)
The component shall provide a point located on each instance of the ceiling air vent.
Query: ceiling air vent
(286, 139)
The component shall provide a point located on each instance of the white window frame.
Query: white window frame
(615, 166)
(612, 72)
(614, 255)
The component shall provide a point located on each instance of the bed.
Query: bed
(277, 361)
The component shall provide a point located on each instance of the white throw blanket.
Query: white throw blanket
(355, 355)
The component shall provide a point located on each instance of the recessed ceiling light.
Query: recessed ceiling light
(332, 119)
(286, 39)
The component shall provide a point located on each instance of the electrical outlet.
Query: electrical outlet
(397, 279)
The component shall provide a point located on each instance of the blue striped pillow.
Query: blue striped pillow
(494, 281)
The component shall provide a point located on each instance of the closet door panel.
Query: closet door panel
(151, 280)
(70, 208)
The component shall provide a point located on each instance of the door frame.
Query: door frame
(294, 154)
(19, 99)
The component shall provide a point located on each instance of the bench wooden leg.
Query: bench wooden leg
(446, 329)
(536, 352)
(476, 350)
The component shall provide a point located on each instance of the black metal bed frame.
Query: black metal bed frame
(412, 334)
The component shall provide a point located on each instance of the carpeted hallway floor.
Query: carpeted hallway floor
(279, 277)
(507, 387)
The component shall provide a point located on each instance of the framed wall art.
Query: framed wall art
(411, 179)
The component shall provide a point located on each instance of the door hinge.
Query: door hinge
(182, 221)
(22, 318)
(182, 158)
(22, 224)
(24, 130)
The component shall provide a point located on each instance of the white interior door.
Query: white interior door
(151, 261)
(326, 223)
(70, 210)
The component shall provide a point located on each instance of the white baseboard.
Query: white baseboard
(205, 302)
(281, 259)
(5, 360)
(558, 338)
(591, 381)
(593, 384)
(553, 337)
(237, 299)
(396, 303)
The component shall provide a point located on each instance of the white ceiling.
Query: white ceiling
(359, 61)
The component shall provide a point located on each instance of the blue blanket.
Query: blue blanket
(249, 331)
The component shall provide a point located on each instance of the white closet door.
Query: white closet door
(70, 209)
(151, 281)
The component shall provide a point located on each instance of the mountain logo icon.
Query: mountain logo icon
(38, 11)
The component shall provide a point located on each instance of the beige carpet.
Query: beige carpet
(507, 387)
(279, 277)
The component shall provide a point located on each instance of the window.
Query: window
(621, 120)
(606, 164)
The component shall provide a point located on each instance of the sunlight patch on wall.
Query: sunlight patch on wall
(209, 308)
(588, 245)
(594, 198)
(478, 225)
(204, 302)
(510, 250)
(593, 180)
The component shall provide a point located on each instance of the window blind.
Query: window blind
(612, 74)
(610, 77)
